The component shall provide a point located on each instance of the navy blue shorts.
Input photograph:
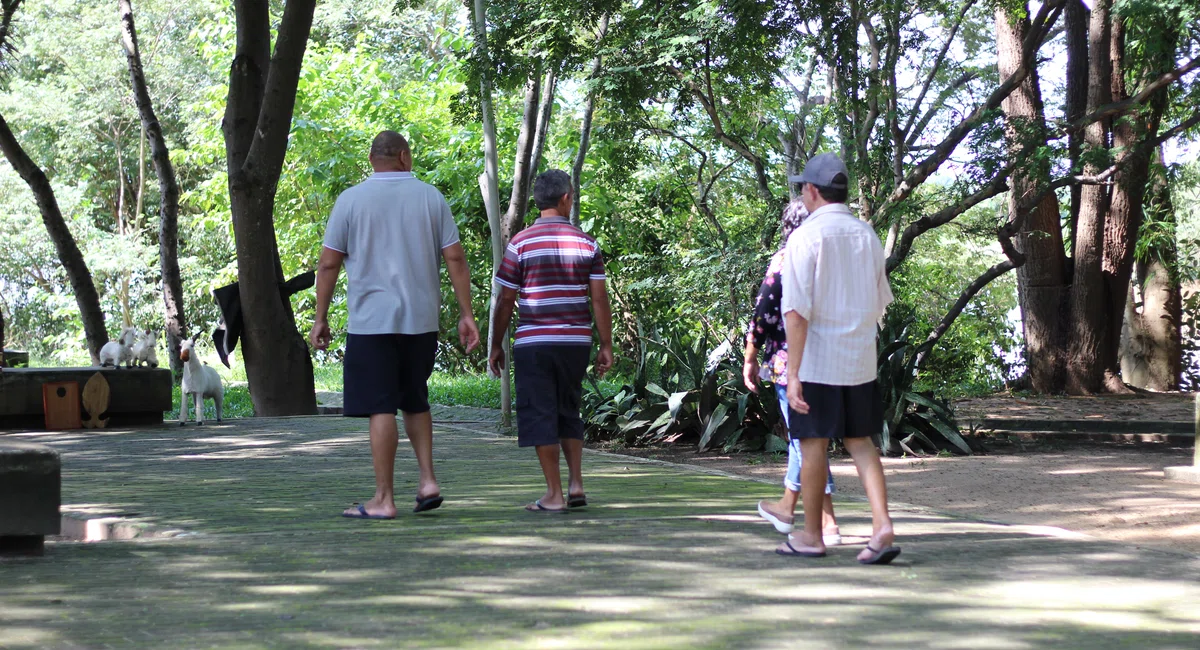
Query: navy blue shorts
(549, 392)
(838, 412)
(385, 373)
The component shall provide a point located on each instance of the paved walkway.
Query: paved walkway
(667, 557)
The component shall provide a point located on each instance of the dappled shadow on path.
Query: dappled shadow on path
(664, 559)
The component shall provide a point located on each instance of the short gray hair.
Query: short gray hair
(549, 188)
(389, 144)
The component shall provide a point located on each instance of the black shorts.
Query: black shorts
(549, 391)
(385, 373)
(838, 412)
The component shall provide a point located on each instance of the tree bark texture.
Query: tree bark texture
(168, 210)
(64, 243)
(585, 131)
(518, 202)
(1089, 330)
(1076, 19)
(258, 115)
(1042, 280)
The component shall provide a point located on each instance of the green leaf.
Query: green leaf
(714, 422)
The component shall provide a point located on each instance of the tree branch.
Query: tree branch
(1049, 13)
(1142, 97)
(937, 66)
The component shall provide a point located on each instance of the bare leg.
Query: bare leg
(548, 457)
(870, 470)
(419, 428)
(829, 522)
(573, 452)
(384, 438)
(813, 472)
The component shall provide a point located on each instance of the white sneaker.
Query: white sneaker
(832, 539)
(779, 524)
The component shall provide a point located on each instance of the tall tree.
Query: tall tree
(585, 130)
(489, 185)
(1042, 280)
(69, 254)
(168, 187)
(258, 116)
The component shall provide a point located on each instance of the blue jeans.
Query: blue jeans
(791, 480)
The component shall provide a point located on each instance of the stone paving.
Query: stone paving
(666, 557)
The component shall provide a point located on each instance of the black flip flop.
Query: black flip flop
(798, 553)
(541, 508)
(884, 556)
(428, 503)
(577, 502)
(363, 514)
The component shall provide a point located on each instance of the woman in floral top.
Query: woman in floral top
(766, 334)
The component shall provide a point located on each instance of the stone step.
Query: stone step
(1084, 426)
(1178, 439)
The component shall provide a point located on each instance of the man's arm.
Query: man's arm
(328, 269)
(602, 311)
(505, 304)
(460, 279)
(797, 335)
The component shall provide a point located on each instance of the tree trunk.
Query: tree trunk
(1126, 214)
(168, 188)
(489, 185)
(585, 132)
(543, 126)
(1042, 280)
(64, 243)
(518, 202)
(1076, 18)
(258, 116)
(1089, 327)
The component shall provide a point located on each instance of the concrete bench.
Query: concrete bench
(30, 494)
(137, 395)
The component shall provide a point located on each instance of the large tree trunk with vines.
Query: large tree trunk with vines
(258, 116)
(64, 243)
(168, 210)
(1042, 280)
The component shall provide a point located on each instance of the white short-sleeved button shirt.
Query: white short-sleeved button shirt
(392, 228)
(835, 276)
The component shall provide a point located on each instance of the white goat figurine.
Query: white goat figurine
(199, 381)
(114, 353)
(144, 351)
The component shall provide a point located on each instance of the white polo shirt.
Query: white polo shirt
(392, 228)
(834, 276)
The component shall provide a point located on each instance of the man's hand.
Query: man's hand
(320, 336)
(496, 360)
(468, 333)
(750, 374)
(604, 360)
(795, 394)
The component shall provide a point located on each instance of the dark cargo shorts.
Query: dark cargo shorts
(549, 392)
(838, 412)
(385, 373)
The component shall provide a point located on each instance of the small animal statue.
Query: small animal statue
(114, 353)
(144, 351)
(199, 382)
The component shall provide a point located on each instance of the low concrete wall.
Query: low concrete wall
(137, 395)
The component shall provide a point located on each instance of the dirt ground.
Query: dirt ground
(1109, 490)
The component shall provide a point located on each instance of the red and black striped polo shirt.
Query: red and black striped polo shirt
(550, 265)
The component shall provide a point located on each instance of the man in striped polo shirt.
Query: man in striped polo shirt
(549, 270)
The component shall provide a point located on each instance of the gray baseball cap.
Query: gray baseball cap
(821, 170)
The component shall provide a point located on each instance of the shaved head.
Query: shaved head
(390, 152)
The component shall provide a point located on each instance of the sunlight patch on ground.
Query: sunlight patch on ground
(284, 590)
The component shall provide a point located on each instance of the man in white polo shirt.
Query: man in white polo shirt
(392, 231)
(835, 289)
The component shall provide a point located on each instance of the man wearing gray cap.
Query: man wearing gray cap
(835, 289)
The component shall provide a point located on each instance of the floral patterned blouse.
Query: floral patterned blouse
(767, 329)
